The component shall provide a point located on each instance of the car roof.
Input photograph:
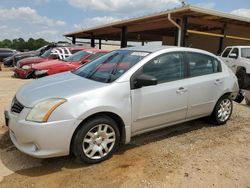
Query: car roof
(154, 48)
(149, 48)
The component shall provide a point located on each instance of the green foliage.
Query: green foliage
(21, 45)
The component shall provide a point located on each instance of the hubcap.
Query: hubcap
(99, 141)
(225, 109)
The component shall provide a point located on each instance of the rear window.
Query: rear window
(201, 64)
(245, 52)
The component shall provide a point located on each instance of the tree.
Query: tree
(21, 45)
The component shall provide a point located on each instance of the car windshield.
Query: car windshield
(77, 56)
(111, 66)
(46, 53)
(245, 52)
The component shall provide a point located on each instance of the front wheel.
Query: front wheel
(96, 140)
(222, 111)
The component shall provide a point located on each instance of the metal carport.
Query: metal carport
(187, 26)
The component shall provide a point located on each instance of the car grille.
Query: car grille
(16, 107)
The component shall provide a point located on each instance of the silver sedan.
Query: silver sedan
(91, 110)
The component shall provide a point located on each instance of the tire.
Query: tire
(222, 111)
(96, 140)
(247, 101)
(242, 78)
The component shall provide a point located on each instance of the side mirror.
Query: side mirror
(145, 80)
(233, 55)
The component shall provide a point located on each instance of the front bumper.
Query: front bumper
(44, 140)
(21, 73)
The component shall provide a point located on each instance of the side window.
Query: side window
(226, 52)
(201, 64)
(235, 51)
(167, 67)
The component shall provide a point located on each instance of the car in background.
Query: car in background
(12, 60)
(23, 67)
(89, 112)
(237, 58)
(68, 64)
(6, 52)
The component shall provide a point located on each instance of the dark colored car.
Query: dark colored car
(6, 52)
(12, 60)
(23, 68)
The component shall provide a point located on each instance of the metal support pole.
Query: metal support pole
(100, 43)
(184, 28)
(124, 37)
(92, 41)
(74, 40)
(222, 39)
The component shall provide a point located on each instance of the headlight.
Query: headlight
(39, 72)
(42, 111)
(26, 67)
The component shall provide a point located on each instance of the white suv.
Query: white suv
(238, 59)
(130, 91)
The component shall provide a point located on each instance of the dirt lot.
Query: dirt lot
(192, 154)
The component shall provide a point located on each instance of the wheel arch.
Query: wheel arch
(113, 116)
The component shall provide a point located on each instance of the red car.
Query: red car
(68, 64)
(23, 68)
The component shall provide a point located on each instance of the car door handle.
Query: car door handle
(218, 81)
(181, 90)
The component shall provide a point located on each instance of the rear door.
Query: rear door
(205, 84)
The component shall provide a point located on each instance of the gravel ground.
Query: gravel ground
(193, 154)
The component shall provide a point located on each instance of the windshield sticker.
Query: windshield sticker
(141, 54)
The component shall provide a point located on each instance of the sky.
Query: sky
(50, 19)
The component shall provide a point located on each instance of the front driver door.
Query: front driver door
(166, 102)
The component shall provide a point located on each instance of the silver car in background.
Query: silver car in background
(90, 111)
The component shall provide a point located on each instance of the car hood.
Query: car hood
(48, 65)
(64, 85)
(32, 60)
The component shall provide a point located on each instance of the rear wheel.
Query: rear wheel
(242, 78)
(96, 140)
(222, 111)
